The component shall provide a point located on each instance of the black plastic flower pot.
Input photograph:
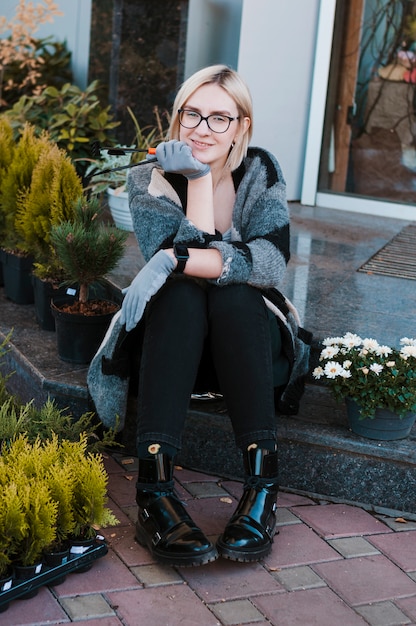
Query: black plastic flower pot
(44, 292)
(54, 559)
(49, 575)
(6, 583)
(27, 573)
(78, 336)
(17, 277)
(81, 546)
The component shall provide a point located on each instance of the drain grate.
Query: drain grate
(397, 258)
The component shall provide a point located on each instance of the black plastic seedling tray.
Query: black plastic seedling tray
(50, 574)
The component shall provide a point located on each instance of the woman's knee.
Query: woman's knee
(242, 300)
(181, 295)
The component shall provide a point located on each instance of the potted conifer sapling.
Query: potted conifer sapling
(87, 249)
(15, 179)
(50, 199)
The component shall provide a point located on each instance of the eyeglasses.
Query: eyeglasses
(216, 122)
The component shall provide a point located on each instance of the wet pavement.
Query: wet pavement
(332, 562)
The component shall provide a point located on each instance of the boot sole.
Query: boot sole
(242, 556)
(177, 561)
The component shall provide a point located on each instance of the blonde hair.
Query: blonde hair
(236, 88)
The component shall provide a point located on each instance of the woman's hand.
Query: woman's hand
(146, 284)
(176, 156)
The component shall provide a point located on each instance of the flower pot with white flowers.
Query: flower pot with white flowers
(377, 382)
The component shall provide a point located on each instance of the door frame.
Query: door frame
(309, 192)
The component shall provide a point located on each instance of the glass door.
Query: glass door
(367, 153)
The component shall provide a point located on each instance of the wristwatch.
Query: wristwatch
(182, 255)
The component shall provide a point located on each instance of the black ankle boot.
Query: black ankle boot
(163, 524)
(248, 535)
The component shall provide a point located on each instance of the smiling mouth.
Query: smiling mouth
(201, 144)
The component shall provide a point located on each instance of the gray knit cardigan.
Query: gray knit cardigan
(257, 255)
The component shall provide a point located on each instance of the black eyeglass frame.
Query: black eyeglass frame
(205, 119)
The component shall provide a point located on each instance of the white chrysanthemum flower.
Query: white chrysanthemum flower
(345, 373)
(329, 352)
(383, 351)
(318, 372)
(370, 344)
(408, 342)
(331, 341)
(408, 351)
(347, 364)
(365, 370)
(332, 369)
(377, 368)
(350, 340)
(390, 363)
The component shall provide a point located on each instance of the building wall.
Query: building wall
(271, 42)
(213, 33)
(276, 57)
(73, 26)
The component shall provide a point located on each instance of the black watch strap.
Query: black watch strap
(182, 255)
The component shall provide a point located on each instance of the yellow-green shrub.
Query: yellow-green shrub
(48, 201)
(15, 181)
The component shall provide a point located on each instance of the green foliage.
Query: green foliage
(73, 117)
(18, 48)
(373, 375)
(16, 180)
(54, 490)
(24, 467)
(45, 456)
(53, 61)
(7, 146)
(145, 137)
(61, 486)
(87, 248)
(13, 418)
(6, 143)
(17, 419)
(55, 186)
(148, 136)
(13, 523)
(89, 494)
(40, 512)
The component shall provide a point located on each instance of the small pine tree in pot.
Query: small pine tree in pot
(88, 250)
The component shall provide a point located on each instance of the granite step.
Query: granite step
(319, 455)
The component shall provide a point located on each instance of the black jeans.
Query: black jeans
(181, 321)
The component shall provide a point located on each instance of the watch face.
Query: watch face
(182, 255)
(181, 252)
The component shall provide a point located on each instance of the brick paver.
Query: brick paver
(330, 564)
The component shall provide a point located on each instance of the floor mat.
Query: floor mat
(397, 258)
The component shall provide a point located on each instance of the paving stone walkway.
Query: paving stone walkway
(331, 564)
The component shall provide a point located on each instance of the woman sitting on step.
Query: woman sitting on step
(211, 219)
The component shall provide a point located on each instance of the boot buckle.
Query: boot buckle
(144, 515)
(156, 538)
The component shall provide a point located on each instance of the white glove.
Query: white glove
(147, 282)
(176, 156)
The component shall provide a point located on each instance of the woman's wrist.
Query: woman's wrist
(171, 253)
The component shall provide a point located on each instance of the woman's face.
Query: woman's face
(208, 146)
